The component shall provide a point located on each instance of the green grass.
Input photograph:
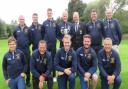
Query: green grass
(123, 56)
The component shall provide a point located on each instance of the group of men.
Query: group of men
(80, 52)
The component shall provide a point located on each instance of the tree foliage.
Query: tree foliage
(122, 16)
(6, 29)
(76, 5)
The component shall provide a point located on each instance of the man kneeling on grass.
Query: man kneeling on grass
(14, 66)
(87, 63)
(41, 67)
(66, 63)
(109, 66)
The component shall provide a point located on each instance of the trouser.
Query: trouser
(97, 48)
(105, 85)
(52, 50)
(76, 46)
(116, 48)
(27, 54)
(17, 83)
(83, 83)
(36, 83)
(61, 44)
(62, 81)
(77, 40)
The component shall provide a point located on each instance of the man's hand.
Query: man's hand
(60, 73)
(22, 74)
(7, 81)
(86, 79)
(87, 76)
(67, 71)
(40, 85)
(41, 78)
(111, 79)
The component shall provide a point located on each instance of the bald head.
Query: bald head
(108, 10)
(21, 17)
(109, 13)
(21, 20)
(76, 17)
(65, 16)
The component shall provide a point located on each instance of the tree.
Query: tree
(3, 33)
(117, 4)
(122, 16)
(10, 28)
(76, 5)
(6, 29)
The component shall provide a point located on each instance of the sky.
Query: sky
(11, 9)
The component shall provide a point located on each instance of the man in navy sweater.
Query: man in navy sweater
(14, 66)
(41, 66)
(66, 64)
(49, 32)
(34, 32)
(64, 28)
(87, 63)
(95, 29)
(112, 29)
(109, 66)
(22, 39)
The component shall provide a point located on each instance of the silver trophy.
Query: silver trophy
(66, 31)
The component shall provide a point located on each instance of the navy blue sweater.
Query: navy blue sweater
(87, 61)
(40, 64)
(35, 35)
(112, 30)
(62, 29)
(14, 64)
(22, 38)
(63, 61)
(95, 30)
(109, 65)
(49, 32)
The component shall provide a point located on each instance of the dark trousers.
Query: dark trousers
(28, 67)
(61, 44)
(52, 50)
(62, 81)
(97, 48)
(105, 85)
(36, 83)
(27, 55)
(77, 44)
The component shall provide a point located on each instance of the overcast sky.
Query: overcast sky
(11, 9)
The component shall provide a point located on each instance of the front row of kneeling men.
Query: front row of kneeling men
(67, 62)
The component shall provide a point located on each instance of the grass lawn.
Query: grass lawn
(123, 56)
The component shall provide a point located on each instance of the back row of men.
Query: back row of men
(65, 61)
